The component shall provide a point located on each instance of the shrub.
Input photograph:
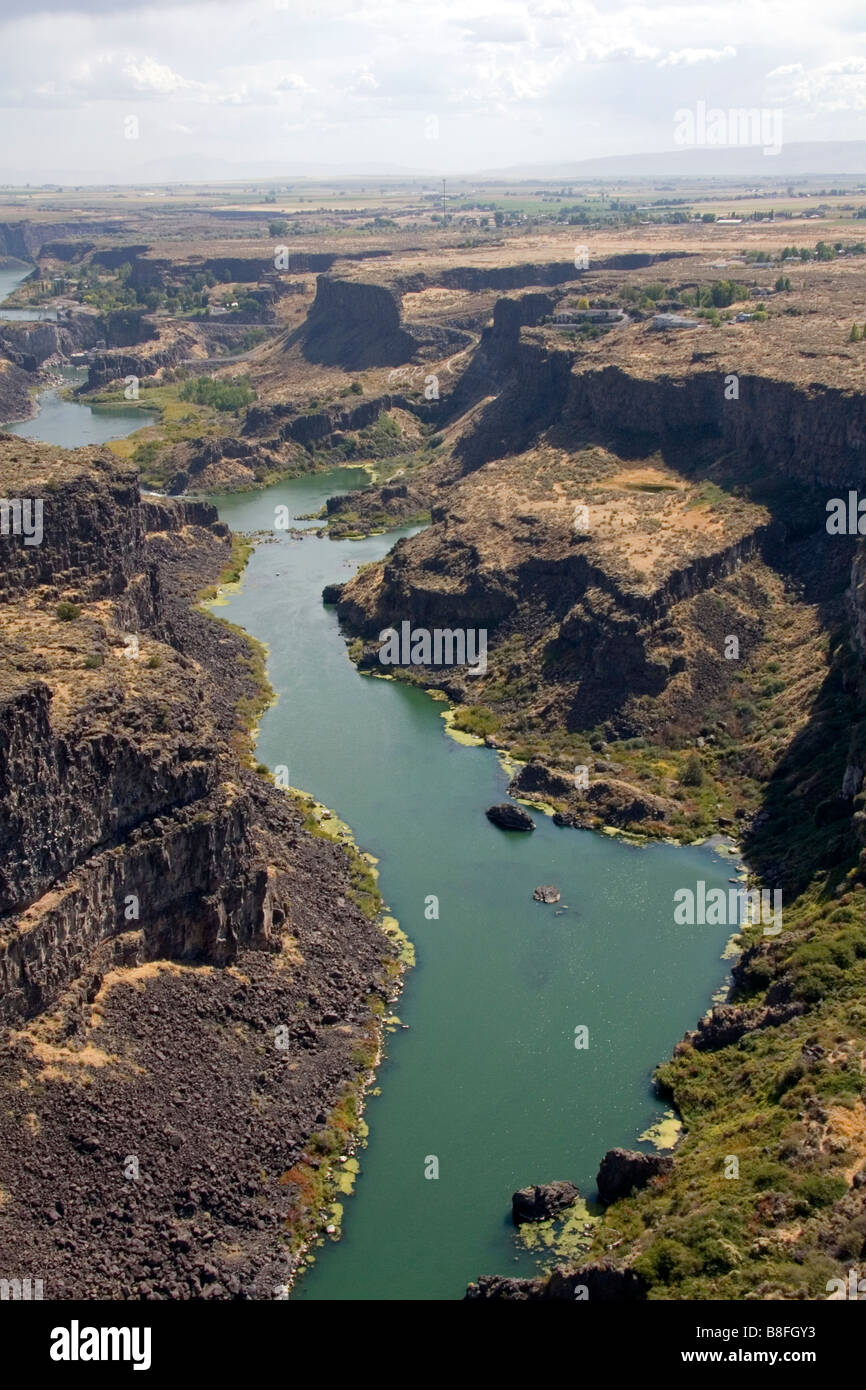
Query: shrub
(476, 719)
(666, 1262)
(819, 1190)
(692, 774)
(67, 611)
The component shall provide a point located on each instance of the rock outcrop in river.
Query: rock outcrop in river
(542, 1201)
(510, 817)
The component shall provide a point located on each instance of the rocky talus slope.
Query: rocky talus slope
(190, 977)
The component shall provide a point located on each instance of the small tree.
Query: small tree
(692, 774)
(854, 336)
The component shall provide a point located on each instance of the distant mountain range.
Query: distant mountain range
(819, 159)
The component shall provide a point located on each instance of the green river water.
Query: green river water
(486, 1078)
(72, 423)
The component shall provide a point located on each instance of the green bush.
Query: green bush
(476, 719)
(67, 611)
(819, 1190)
(692, 774)
(666, 1262)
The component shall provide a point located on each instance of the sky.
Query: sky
(96, 90)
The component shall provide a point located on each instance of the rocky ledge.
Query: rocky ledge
(624, 1171)
(590, 1283)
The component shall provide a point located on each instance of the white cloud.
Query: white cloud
(146, 75)
(690, 57)
(830, 88)
(602, 76)
(365, 82)
(293, 82)
(497, 29)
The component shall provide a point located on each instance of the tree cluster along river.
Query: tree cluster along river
(487, 1078)
(11, 276)
(58, 421)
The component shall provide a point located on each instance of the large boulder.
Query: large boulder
(624, 1171)
(510, 817)
(546, 893)
(540, 1202)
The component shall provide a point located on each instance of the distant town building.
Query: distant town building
(589, 316)
(663, 321)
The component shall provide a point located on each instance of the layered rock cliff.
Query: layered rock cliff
(16, 402)
(357, 324)
(188, 987)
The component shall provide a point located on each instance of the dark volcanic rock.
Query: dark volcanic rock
(546, 893)
(15, 399)
(540, 1202)
(167, 1155)
(604, 1282)
(727, 1023)
(510, 817)
(624, 1171)
(537, 779)
(331, 593)
(355, 325)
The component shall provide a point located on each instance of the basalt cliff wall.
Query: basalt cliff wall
(512, 277)
(164, 909)
(815, 436)
(356, 324)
